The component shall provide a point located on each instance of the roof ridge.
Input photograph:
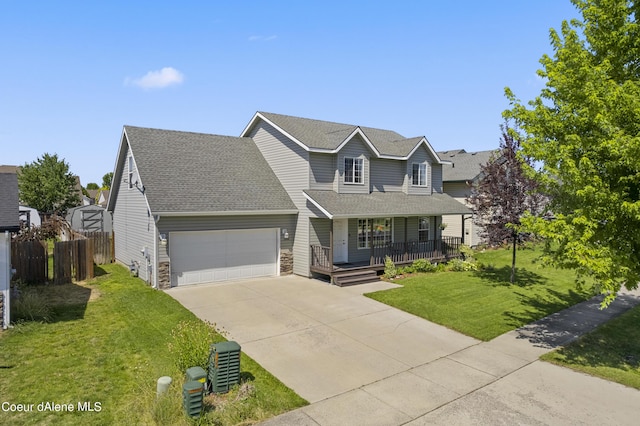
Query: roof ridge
(185, 132)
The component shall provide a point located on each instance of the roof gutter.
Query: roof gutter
(227, 213)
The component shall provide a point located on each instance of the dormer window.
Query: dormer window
(419, 175)
(353, 170)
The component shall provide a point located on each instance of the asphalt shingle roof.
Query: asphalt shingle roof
(318, 134)
(386, 204)
(465, 165)
(184, 172)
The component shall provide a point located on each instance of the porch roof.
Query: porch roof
(383, 204)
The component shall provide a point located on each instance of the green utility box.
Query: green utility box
(224, 366)
(196, 374)
(192, 396)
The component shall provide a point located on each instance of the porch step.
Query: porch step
(343, 279)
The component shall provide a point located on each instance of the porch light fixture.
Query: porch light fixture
(163, 239)
(285, 234)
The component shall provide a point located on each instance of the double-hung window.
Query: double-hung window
(419, 174)
(378, 231)
(353, 170)
(423, 229)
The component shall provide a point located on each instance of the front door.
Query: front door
(340, 240)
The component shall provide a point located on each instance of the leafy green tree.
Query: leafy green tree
(584, 128)
(92, 185)
(503, 194)
(106, 180)
(47, 185)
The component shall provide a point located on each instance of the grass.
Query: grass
(611, 352)
(107, 343)
(484, 304)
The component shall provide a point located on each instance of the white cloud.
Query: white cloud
(263, 38)
(167, 76)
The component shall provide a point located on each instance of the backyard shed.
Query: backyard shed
(92, 218)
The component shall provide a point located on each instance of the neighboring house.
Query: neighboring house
(191, 208)
(103, 197)
(92, 195)
(91, 218)
(362, 193)
(9, 222)
(458, 177)
(290, 194)
(9, 201)
(29, 217)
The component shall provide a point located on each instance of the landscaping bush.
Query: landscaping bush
(459, 265)
(390, 270)
(190, 343)
(467, 252)
(423, 265)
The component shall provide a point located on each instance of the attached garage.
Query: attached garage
(210, 256)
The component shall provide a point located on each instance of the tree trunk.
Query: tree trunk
(513, 258)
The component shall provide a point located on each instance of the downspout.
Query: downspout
(156, 236)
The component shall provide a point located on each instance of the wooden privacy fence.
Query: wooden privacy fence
(103, 250)
(72, 260)
(30, 260)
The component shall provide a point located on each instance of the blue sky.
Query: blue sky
(74, 72)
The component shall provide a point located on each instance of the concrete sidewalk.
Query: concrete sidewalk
(360, 362)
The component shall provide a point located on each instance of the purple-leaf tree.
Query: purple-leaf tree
(505, 191)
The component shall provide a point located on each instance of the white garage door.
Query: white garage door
(201, 257)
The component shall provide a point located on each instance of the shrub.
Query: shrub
(28, 304)
(459, 265)
(423, 265)
(390, 270)
(467, 252)
(441, 267)
(190, 343)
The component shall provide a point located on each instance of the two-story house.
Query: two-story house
(290, 194)
(361, 193)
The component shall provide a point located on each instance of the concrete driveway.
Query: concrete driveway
(358, 361)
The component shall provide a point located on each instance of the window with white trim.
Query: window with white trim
(419, 174)
(423, 229)
(353, 170)
(130, 171)
(379, 230)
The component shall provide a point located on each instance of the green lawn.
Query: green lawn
(111, 350)
(612, 351)
(484, 304)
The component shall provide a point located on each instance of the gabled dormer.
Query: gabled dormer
(351, 159)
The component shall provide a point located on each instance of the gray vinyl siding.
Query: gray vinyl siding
(398, 229)
(319, 231)
(386, 175)
(133, 225)
(167, 225)
(322, 171)
(460, 191)
(420, 156)
(290, 162)
(355, 148)
(436, 176)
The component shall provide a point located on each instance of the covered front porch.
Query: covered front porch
(354, 250)
(403, 253)
(352, 234)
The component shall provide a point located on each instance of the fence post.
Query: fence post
(5, 278)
